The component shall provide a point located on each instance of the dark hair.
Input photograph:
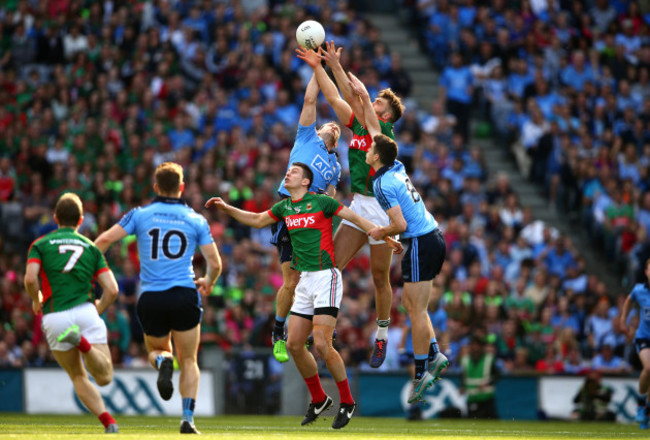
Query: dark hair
(169, 176)
(386, 148)
(307, 173)
(68, 210)
(394, 102)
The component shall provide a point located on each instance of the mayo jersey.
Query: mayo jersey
(641, 294)
(69, 263)
(360, 172)
(309, 221)
(168, 232)
(393, 187)
(311, 150)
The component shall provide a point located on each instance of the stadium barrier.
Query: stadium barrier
(250, 382)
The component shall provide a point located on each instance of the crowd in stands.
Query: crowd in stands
(94, 95)
(568, 84)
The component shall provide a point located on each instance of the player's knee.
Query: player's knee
(290, 281)
(103, 379)
(322, 343)
(380, 277)
(187, 362)
(294, 346)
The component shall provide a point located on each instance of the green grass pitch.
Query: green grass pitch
(27, 427)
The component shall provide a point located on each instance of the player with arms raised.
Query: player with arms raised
(67, 263)
(422, 239)
(308, 217)
(168, 232)
(349, 238)
(316, 149)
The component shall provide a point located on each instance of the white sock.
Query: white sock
(382, 333)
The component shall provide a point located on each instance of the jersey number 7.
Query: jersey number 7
(76, 250)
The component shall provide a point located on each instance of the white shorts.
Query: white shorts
(318, 290)
(85, 315)
(368, 208)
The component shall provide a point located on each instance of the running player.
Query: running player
(315, 148)
(168, 232)
(420, 236)
(308, 217)
(67, 264)
(349, 239)
(641, 295)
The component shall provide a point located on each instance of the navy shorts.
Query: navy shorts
(423, 257)
(178, 308)
(282, 241)
(641, 343)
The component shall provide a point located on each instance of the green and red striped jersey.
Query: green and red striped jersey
(69, 263)
(360, 172)
(309, 221)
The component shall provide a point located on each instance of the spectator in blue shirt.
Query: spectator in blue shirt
(457, 85)
(180, 136)
(558, 258)
(577, 73)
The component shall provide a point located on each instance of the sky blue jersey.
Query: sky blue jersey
(393, 187)
(311, 150)
(168, 232)
(641, 294)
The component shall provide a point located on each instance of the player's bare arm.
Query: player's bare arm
(253, 219)
(205, 284)
(627, 306)
(347, 214)
(359, 89)
(107, 238)
(397, 225)
(331, 191)
(32, 286)
(308, 113)
(110, 290)
(332, 57)
(341, 107)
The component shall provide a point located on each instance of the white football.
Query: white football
(310, 34)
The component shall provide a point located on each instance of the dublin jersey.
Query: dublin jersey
(69, 264)
(641, 294)
(360, 172)
(393, 187)
(168, 232)
(309, 221)
(311, 150)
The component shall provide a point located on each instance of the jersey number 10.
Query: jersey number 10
(167, 252)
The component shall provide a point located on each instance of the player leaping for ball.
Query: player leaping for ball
(315, 147)
(349, 239)
(422, 239)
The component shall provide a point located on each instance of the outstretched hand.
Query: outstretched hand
(331, 55)
(356, 85)
(309, 56)
(216, 201)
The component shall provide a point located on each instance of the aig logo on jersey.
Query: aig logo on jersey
(323, 167)
(303, 221)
